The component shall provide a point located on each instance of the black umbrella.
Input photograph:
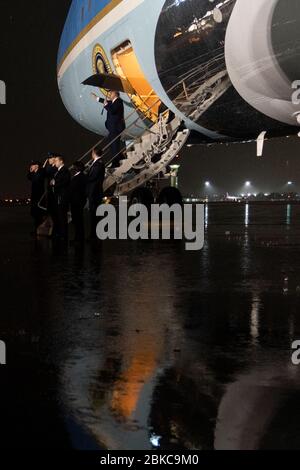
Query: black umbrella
(111, 82)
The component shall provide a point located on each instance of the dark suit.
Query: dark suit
(60, 191)
(77, 199)
(37, 191)
(50, 172)
(115, 124)
(95, 179)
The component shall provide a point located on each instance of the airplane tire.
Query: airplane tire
(142, 196)
(170, 196)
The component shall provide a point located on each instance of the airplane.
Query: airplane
(189, 72)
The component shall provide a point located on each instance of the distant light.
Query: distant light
(207, 184)
(290, 183)
(248, 184)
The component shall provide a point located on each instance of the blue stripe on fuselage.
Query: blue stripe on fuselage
(81, 13)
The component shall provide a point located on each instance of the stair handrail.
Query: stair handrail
(138, 119)
(134, 123)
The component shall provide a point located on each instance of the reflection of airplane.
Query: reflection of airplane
(185, 56)
(109, 381)
(177, 361)
(256, 410)
(251, 407)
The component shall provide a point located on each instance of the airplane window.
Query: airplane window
(82, 14)
(90, 5)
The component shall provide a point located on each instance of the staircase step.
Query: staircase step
(149, 172)
(133, 172)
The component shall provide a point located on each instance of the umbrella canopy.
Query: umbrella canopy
(111, 82)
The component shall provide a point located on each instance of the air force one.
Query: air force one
(206, 70)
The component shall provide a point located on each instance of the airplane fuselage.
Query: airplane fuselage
(226, 68)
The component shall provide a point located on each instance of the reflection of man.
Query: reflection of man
(115, 123)
(95, 179)
(36, 177)
(60, 186)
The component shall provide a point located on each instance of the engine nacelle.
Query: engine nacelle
(261, 49)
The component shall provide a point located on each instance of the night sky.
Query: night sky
(35, 120)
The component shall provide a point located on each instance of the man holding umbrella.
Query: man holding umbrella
(115, 123)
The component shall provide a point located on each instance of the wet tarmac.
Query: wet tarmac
(138, 345)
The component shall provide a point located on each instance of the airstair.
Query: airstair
(145, 157)
(201, 87)
(150, 154)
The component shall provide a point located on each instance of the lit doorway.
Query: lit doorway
(127, 66)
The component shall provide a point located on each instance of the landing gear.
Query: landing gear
(170, 196)
(142, 196)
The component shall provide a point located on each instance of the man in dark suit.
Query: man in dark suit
(77, 199)
(115, 124)
(37, 178)
(60, 186)
(95, 179)
(50, 170)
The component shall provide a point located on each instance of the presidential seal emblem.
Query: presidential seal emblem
(101, 63)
